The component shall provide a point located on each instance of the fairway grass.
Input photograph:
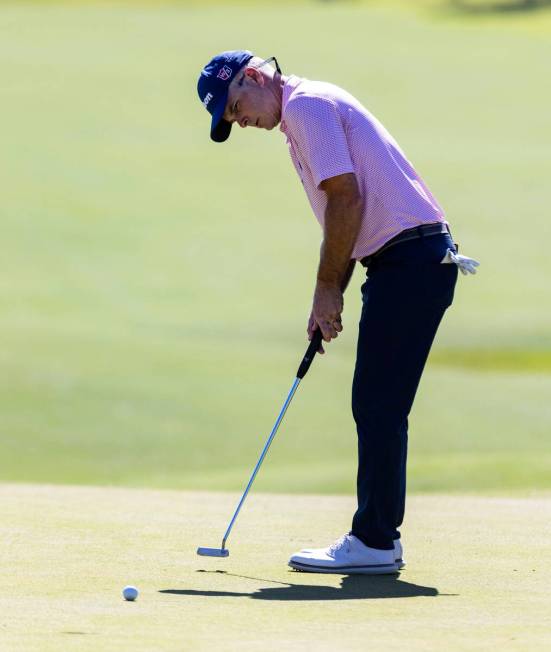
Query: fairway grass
(477, 576)
(155, 287)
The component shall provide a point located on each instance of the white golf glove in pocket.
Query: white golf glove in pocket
(466, 265)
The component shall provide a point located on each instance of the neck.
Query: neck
(274, 85)
(277, 83)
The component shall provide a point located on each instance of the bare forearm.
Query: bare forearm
(342, 224)
(347, 275)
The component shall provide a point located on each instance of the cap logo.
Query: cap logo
(225, 73)
(208, 98)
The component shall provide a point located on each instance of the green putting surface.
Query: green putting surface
(477, 574)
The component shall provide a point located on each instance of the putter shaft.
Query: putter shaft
(301, 372)
(262, 456)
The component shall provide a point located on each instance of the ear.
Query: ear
(253, 74)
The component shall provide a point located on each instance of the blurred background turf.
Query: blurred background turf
(154, 286)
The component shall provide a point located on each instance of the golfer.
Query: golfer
(374, 209)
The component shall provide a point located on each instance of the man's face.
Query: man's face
(252, 102)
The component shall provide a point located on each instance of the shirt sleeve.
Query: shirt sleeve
(316, 127)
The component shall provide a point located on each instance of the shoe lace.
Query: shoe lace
(340, 544)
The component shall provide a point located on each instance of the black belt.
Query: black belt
(421, 231)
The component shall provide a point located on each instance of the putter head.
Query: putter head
(213, 552)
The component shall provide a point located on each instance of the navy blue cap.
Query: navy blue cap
(213, 84)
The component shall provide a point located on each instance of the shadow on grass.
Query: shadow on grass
(353, 587)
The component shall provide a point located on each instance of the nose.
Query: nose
(243, 122)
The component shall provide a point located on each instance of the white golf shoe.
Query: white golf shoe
(346, 556)
(398, 553)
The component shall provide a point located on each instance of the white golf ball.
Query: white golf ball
(130, 593)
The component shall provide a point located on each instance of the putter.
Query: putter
(303, 368)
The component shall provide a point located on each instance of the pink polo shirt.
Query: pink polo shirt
(329, 133)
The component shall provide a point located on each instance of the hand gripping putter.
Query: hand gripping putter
(303, 368)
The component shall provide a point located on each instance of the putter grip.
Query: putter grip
(310, 353)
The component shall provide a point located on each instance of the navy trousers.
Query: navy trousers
(405, 296)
